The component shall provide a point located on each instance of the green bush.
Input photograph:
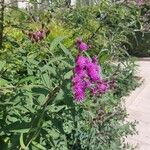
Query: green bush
(106, 24)
(37, 107)
(141, 42)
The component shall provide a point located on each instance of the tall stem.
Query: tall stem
(1, 21)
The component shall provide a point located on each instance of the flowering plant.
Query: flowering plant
(88, 75)
(40, 85)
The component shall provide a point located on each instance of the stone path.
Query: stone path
(138, 107)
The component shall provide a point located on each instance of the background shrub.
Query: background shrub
(37, 107)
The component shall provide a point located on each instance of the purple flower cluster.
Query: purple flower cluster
(87, 76)
(82, 46)
(140, 2)
(38, 36)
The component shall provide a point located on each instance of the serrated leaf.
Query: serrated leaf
(54, 108)
(26, 79)
(22, 142)
(2, 63)
(46, 80)
(3, 82)
(66, 51)
(56, 42)
(68, 75)
(41, 99)
(20, 130)
(60, 95)
(48, 68)
(54, 134)
(38, 145)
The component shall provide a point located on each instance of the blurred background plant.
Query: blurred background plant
(37, 108)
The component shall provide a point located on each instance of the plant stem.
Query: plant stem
(94, 33)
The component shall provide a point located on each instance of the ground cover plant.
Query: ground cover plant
(63, 76)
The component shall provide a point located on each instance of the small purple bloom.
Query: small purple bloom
(139, 2)
(81, 45)
(87, 76)
(81, 61)
(79, 71)
(80, 96)
(103, 87)
(93, 71)
(78, 88)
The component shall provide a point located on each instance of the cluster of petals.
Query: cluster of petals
(82, 46)
(87, 76)
(37, 36)
(138, 2)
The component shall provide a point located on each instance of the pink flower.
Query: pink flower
(37, 36)
(79, 71)
(139, 2)
(81, 45)
(81, 61)
(93, 71)
(103, 87)
(80, 96)
(78, 88)
(87, 76)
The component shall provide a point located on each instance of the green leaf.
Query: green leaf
(54, 108)
(2, 63)
(56, 42)
(54, 134)
(68, 75)
(3, 82)
(22, 142)
(38, 145)
(49, 69)
(41, 99)
(59, 96)
(104, 56)
(20, 130)
(66, 51)
(56, 59)
(40, 90)
(46, 80)
(26, 79)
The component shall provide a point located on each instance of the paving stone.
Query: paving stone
(138, 107)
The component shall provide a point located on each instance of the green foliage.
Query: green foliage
(107, 26)
(141, 39)
(37, 108)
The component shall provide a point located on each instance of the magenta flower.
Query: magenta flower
(80, 96)
(81, 45)
(87, 76)
(81, 61)
(37, 36)
(78, 70)
(103, 87)
(93, 71)
(139, 2)
(78, 88)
